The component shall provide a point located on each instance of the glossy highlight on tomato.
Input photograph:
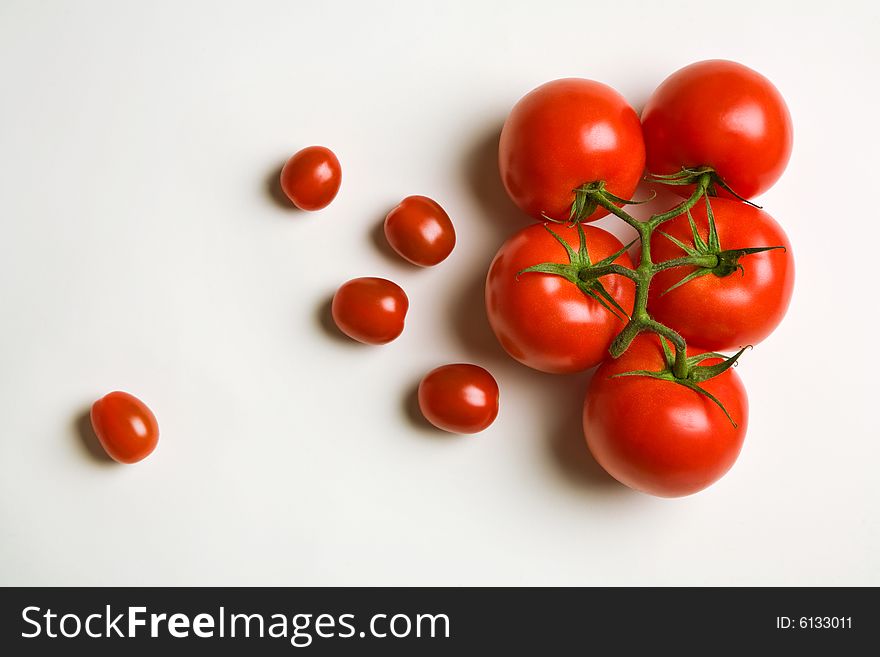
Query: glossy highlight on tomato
(370, 310)
(659, 437)
(420, 231)
(724, 313)
(125, 427)
(720, 114)
(459, 398)
(311, 178)
(564, 134)
(543, 320)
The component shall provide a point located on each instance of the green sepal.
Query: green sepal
(681, 245)
(685, 173)
(628, 201)
(686, 176)
(583, 206)
(699, 373)
(699, 358)
(574, 257)
(713, 244)
(717, 181)
(616, 255)
(696, 273)
(585, 202)
(556, 268)
(690, 175)
(577, 270)
(696, 373)
(597, 291)
(727, 261)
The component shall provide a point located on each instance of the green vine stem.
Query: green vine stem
(640, 320)
(705, 256)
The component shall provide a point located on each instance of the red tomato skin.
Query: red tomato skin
(729, 312)
(543, 320)
(420, 231)
(311, 178)
(566, 133)
(659, 437)
(724, 115)
(459, 398)
(370, 310)
(125, 427)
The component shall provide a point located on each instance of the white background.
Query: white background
(144, 249)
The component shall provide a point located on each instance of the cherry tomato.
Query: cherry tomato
(741, 307)
(657, 436)
(723, 115)
(420, 231)
(126, 428)
(544, 320)
(370, 310)
(460, 398)
(564, 134)
(311, 178)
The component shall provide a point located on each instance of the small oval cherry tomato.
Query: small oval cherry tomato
(657, 436)
(459, 398)
(370, 310)
(564, 134)
(420, 231)
(311, 178)
(126, 428)
(723, 115)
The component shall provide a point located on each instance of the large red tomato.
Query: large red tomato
(723, 115)
(727, 308)
(657, 436)
(544, 320)
(564, 134)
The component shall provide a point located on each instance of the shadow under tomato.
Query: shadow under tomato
(467, 309)
(467, 313)
(324, 319)
(480, 167)
(561, 397)
(272, 189)
(88, 441)
(413, 414)
(377, 237)
(568, 447)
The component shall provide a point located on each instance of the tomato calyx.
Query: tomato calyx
(586, 201)
(697, 373)
(583, 273)
(692, 175)
(707, 254)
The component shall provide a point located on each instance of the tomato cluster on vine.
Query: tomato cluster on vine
(664, 413)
